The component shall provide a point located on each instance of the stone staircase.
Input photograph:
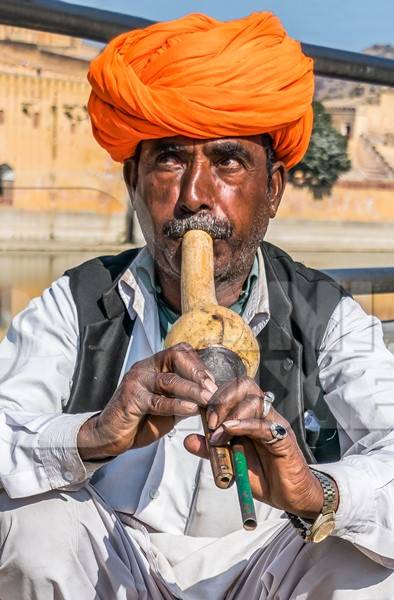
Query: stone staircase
(371, 162)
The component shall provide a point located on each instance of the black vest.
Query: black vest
(301, 302)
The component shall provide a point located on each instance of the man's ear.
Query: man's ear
(278, 184)
(130, 176)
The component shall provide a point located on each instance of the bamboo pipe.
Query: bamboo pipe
(228, 348)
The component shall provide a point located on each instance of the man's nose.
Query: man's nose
(196, 190)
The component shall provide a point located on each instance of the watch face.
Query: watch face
(323, 531)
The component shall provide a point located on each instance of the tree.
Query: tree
(325, 159)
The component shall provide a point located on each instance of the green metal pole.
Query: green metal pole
(244, 489)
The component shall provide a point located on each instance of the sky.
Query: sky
(345, 24)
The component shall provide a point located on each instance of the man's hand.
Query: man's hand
(279, 474)
(171, 383)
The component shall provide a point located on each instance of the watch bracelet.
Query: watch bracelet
(304, 526)
(329, 492)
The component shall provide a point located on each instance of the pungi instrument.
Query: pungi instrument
(228, 348)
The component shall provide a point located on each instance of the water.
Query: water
(24, 276)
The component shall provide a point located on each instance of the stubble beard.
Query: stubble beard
(242, 252)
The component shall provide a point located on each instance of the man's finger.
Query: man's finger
(183, 360)
(259, 430)
(171, 384)
(229, 396)
(153, 428)
(163, 406)
(196, 444)
(249, 408)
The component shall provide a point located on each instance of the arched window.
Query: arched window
(7, 178)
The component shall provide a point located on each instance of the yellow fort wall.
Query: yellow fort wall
(45, 137)
(364, 201)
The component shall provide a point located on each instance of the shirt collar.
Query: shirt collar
(137, 290)
(135, 285)
(257, 310)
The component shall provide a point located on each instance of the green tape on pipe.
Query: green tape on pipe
(244, 489)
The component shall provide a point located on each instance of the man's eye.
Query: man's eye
(168, 158)
(229, 163)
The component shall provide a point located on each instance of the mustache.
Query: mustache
(218, 229)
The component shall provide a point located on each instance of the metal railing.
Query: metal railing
(68, 19)
(374, 280)
(102, 25)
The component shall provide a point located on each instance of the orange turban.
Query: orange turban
(203, 78)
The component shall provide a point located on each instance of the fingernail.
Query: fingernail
(206, 395)
(215, 436)
(231, 423)
(212, 420)
(210, 385)
(211, 377)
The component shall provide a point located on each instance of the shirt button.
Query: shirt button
(172, 433)
(288, 364)
(154, 493)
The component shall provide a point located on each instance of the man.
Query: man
(206, 118)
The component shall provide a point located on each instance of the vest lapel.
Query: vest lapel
(281, 359)
(103, 348)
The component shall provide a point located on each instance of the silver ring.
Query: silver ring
(278, 433)
(268, 399)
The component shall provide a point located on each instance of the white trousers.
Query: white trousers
(72, 546)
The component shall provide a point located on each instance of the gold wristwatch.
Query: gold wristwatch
(316, 531)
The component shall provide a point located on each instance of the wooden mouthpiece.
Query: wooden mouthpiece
(227, 346)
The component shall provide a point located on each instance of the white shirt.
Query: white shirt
(157, 484)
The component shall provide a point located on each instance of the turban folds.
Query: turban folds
(203, 78)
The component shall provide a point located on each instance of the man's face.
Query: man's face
(219, 184)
